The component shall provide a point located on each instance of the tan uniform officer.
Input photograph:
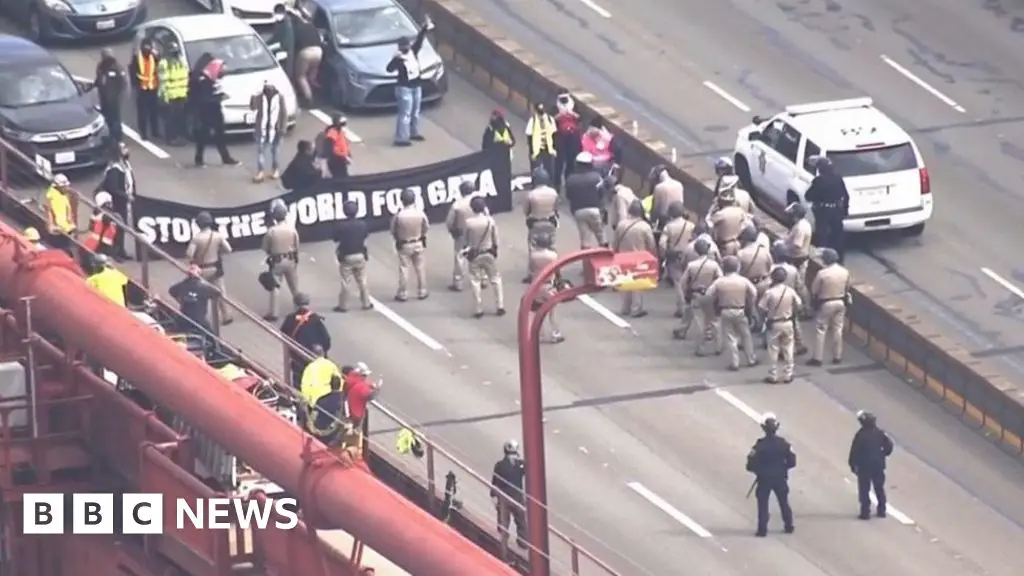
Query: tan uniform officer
(733, 298)
(634, 234)
(743, 200)
(544, 254)
(409, 230)
(541, 212)
(618, 206)
(697, 278)
(699, 233)
(667, 191)
(781, 257)
(727, 222)
(829, 292)
(755, 260)
(798, 244)
(207, 250)
(281, 245)
(456, 224)
(779, 306)
(482, 256)
(672, 244)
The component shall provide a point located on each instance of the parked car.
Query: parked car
(49, 20)
(248, 63)
(360, 38)
(44, 112)
(256, 13)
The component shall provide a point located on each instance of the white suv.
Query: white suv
(882, 167)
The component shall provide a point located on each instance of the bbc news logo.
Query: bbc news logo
(144, 513)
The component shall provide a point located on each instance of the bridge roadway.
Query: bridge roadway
(645, 443)
(762, 56)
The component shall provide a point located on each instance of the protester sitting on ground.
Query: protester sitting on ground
(302, 172)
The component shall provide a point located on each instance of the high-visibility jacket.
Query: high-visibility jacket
(648, 204)
(172, 79)
(542, 135)
(102, 232)
(58, 210)
(338, 142)
(316, 379)
(503, 136)
(109, 282)
(147, 71)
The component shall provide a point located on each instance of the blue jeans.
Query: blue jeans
(407, 120)
(266, 153)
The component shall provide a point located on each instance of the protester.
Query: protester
(409, 89)
(498, 134)
(567, 138)
(540, 129)
(119, 182)
(206, 98)
(270, 126)
(336, 148)
(302, 172)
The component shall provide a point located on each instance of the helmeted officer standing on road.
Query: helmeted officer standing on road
(700, 272)
(724, 168)
(728, 221)
(543, 254)
(541, 211)
(583, 191)
(831, 204)
(830, 293)
(350, 249)
(308, 329)
(868, 451)
(111, 83)
(482, 256)
(634, 234)
(507, 487)
(409, 230)
(456, 224)
(733, 299)
(755, 259)
(207, 250)
(778, 306)
(281, 245)
(770, 460)
(672, 243)
(780, 255)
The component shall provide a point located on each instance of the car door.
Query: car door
(763, 152)
(808, 154)
(781, 161)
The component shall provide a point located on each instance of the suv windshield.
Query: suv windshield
(35, 84)
(380, 25)
(874, 160)
(240, 54)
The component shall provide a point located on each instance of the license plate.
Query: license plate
(249, 117)
(873, 192)
(105, 25)
(63, 157)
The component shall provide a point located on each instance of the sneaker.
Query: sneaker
(258, 178)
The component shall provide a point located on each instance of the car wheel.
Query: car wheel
(914, 231)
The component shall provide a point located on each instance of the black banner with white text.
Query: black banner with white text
(170, 225)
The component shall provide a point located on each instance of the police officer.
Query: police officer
(666, 191)
(830, 293)
(111, 84)
(634, 234)
(780, 255)
(207, 250)
(728, 221)
(831, 204)
(770, 461)
(119, 181)
(868, 451)
(778, 307)
(672, 243)
(583, 191)
(409, 230)
(619, 199)
(724, 167)
(482, 256)
(507, 491)
(700, 232)
(755, 259)
(697, 278)
(456, 224)
(541, 256)
(541, 211)
(193, 296)
(308, 329)
(281, 245)
(733, 298)
(798, 245)
(350, 249)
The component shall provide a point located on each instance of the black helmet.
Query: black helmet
(829, 256)
(676, 210)
(866, 419)
(540, 177)
(730, 265)
(748, 235)
(769, 423)
(778, 275)
(780, 251)
(204, 220)
(408, 197)
(466, 188)
(702, 246)
(477, 205)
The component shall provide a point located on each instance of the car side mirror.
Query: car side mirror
(754, 136)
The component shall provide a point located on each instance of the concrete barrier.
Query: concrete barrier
(904, 343)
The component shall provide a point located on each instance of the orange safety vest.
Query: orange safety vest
(100, 232)
(147, 71)
(339, 142)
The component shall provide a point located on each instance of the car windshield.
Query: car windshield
(241, 54)
(874, 160)
(368, 26)
(32, 85)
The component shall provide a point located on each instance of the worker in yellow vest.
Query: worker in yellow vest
(60, 215)
(32, 235)
(107, 280)
(172, 88)
(143, 75)
(498, 134)
(316, 377)
(540, 129)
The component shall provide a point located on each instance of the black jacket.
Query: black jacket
(508, 478)
(205, 98)
(301, 173)
(829, 189)
(193, 296)
(350, 238)
(111, 83)
(869, 449)
(771, 459)
(582, 189)
(397, 64)
(311, 332)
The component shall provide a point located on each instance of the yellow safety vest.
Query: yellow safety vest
(316, 380)
(503, 136)
(648, 203)
(109, 282)
(60, 210)
(542, 136)
(173, 80)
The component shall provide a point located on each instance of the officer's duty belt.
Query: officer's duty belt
(830, 206)
(530, 222)
(839, 299)
(733, 307)
(780, 320)
(410, 241)
(275, 258)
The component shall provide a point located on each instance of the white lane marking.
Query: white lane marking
(669, 509)
(323, 117)
(593, 6)
(726, 96)
(756, 416)
(927, 87)
(404, 324)
(603, 311)
(129, 132)
(1004, 283)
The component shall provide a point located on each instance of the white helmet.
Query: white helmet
(728, 182)
(103, 198)
(362, 369)
(512, 447)
(61, 180)
(584, 158)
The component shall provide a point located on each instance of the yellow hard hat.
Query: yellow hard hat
(31, 234)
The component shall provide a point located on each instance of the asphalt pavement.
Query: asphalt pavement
(694, 72)
(646, 444)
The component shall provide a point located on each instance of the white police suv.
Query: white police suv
(881, 165)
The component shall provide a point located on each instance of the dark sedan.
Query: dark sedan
(44, 112)
(49, 20)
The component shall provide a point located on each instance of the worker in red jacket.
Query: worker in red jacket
(359, 392)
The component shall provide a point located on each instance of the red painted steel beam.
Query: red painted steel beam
(348, 497)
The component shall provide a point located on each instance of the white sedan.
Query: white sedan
(248, 63)
(254, 12)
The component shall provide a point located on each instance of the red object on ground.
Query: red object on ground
(347, 497)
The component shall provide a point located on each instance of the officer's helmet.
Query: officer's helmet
(769, 423)
(702, 247)
(724, 166)
(778, 275)
(829, 256)
(511, 447)
(866, 419)
(748, 235)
